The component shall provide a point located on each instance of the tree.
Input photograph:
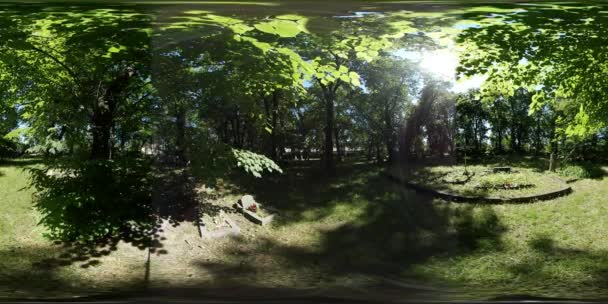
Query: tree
(471, 121)
(83, 67)
(390, 82)
(432, 120)
(557, 54)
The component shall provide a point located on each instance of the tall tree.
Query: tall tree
(84, 65)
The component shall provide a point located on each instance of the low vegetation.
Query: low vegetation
(480, 180)
(355, 227)
(122, 125)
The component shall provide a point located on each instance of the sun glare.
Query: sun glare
(441, 64)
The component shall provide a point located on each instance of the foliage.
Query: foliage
(7, 148)
(254, 163)
(87, 201)
(555, 52)
(583, 170)
(219, 91)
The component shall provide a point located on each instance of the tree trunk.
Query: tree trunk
(328, 153)
(513, 142)
(271, 111)
(538, 136)
(180, 138)
(553, 161)
(499, 142)
(273, 135)
(103, 114)
(370, 147)
(101, 131)
(338, 146)
(389, 137)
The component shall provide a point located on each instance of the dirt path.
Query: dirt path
(183, 257)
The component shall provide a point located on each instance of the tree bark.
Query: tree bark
(103, 114)
(180, 134)
(328, 153)
(102, 125)
(339, 147)
(274, 117)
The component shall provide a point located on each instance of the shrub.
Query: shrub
(584, 170)
(92, 200)
(8, 148)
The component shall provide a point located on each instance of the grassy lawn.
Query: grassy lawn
(479, 180)
(354, 229)
(358, 226)
(555, 247)
(32, 266)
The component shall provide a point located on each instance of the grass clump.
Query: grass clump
(505, 181)
(580, 171)
(479, 180)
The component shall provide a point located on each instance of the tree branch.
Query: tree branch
(59, 62)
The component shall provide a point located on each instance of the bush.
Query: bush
(92, 200)
(584, 170)
(8, 148)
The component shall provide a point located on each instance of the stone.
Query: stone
(258, 219)
(230, 229)
(244, 205)
(247, 201)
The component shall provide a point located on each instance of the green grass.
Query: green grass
(555, 247)
(335, 230)
(32, 266)
(479, 180)
(16, 209)
(347, 230)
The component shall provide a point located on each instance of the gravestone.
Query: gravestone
(247, 201)
(243, 206)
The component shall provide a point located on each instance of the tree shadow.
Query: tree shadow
(536, 163)
(305, 188)
(89, 207)
(19, 162)
(174, 198)
(395, 230)
(41, 272)
(92, 209)
(582, 170)
(214, 210)
(548, 262)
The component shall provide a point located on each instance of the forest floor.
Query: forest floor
(354, 229)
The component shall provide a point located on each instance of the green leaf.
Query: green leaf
(282, 28)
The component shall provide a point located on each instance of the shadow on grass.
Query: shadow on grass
(388, 234)
(548, 262)
(89, 207)
(20, 162)
(173, 195)
(30, 272)
(367, 226)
